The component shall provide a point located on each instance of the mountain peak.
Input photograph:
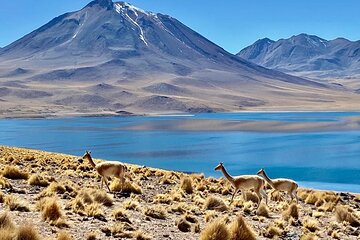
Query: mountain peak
(108, 4)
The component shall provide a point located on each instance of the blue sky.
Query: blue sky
(232, 24)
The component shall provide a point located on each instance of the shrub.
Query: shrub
(215, 203)
(215, 230)
(273, 231)
(63, 236)
(27, 232)
(239, 230)
(119, 214)
(183, 225)
(36, 180)
(14, 173)
(186, 185)
(100, 196)
(5, 221)
(344, 213)
(263, 211)
(311, 224)
(155, 212)
(291, 211)
(15, 204)
(128, 187)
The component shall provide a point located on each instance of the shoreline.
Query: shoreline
(160, 114)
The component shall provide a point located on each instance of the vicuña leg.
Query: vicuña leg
(263, 193)
(106, 183)
(232, 197)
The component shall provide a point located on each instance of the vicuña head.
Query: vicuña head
(86, 156)
(218, 167)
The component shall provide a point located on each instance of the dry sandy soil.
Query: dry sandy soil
(60, 199)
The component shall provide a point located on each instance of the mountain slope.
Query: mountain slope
(306, 53)
(112, 57)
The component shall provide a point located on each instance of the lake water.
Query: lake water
(326, 160)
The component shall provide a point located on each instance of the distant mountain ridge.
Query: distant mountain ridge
(115, 57)
(306, 53)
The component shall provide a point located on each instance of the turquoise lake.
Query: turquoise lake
(318, 159)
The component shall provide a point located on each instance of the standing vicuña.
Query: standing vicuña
(281, 184)
(245, 182)
(107, 169)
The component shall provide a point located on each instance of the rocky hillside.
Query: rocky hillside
(52, 196)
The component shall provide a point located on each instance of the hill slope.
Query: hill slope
(305, 54)
(110, 57)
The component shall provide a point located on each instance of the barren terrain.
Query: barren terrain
(52, 196)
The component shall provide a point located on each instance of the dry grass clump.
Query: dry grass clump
(100, 196)
(345, 213)
(51, 190)
(183, 225)
(131, 204)
(273, 231)
(120, 214)
(119, 230)
(4, 183)
(215, 230)
(128, 187)
(163, 198)
(215, 203)
(51, 211)
(140, 235)
(15, 204)
(63, 236)
(311, 224)
(186, 185)
(12, 172)
(5, 221)
(94, 210)
(291, 212)
(7, 234)
(27, 232)
(250, 196)
(91, 236)
(155, 212)
(239, 230)
(309, 236)
(263, 211)
(37, 180)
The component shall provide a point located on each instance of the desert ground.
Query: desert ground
(52, 196)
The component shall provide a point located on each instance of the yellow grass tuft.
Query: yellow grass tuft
(131, 204)
(345, 213)
(263, 210)
(51, 211)
(128, 187)
(273, 231)
(215, 230)
(291, 212)
(37, 180)
(309, 236)
(155, 212)
(7, 234)
(15, 204)
(120, 214)
(239, 230)
(91, 236)
(183, 225)
(215, 203)
(4, 183)
(5, 221)
(250, 196)
(140, 235)
(27, 232)
(100, 196)
(311, 224)
(94, 210)
(63, 236)
(186, 185)
(12, 172)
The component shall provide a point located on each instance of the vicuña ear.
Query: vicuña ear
(221, 163)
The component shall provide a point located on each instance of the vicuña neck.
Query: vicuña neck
(268, 179)
(227, 175)
(91, 161)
